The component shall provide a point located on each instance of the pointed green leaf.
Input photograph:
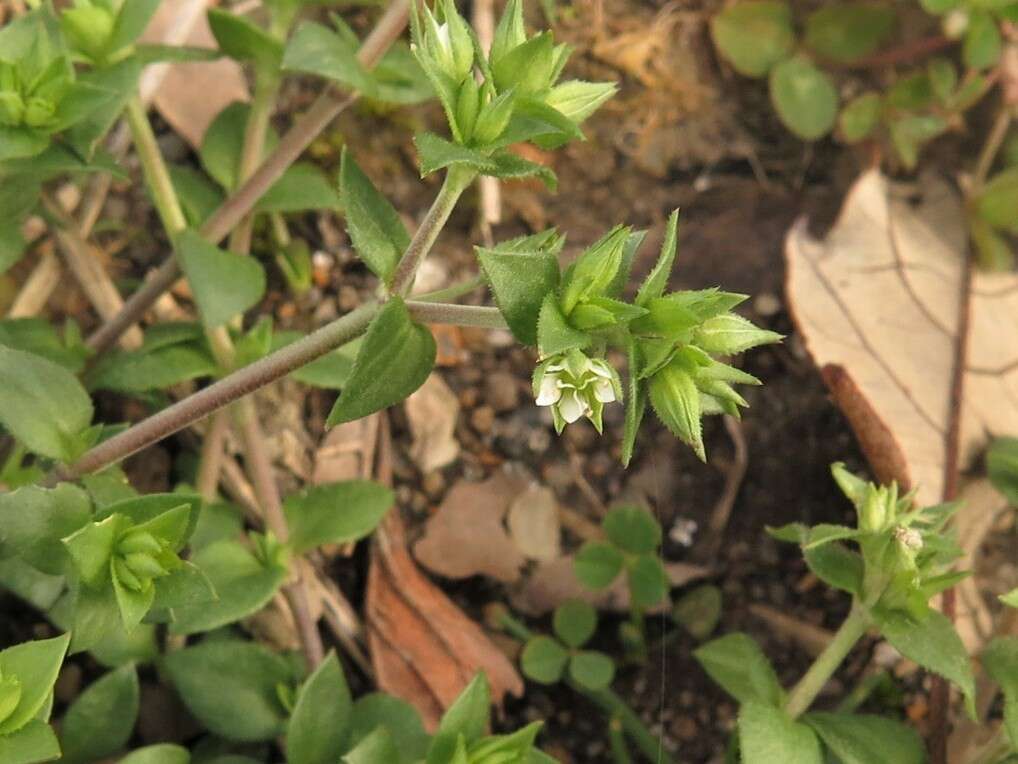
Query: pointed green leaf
(862, 738)
(91, 547)
(470, 713)
(374, 748)
(317, 729)
(31, 744)
(35, 520)
(657, 280)
(302, 187)
(335, 513)
(100, 720)
(520, 281)
(395, 358)
(224, 284)
(316, 49)
(737, 663)
(510, 166)
(401, 720)
(554, 334)
(766, 734)
(729, 334)
(676, 401)
(36, 665)
(435, 153)
(241, 39)
(376, 230)
(1000, 659)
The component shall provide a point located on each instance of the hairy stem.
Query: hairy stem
(210, 460)
(460, 315)
(456, 181)
(852, 629)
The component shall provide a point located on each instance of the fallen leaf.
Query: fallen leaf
(534, 523)
(813, 639)
(190, 95)
(347, 453)
(466, 536)
(432, 411)
(423, 648)
(554, 582)
(982, 505)
(878, 305)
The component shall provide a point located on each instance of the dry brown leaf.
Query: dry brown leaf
(466, 536)
(423, 648)
(534, 523)
(347, 453)
(878, 303)
(190, 95)
(552, 583)
(432, 412)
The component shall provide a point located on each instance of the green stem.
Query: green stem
(457, 179)
(156, 173)
(620, 752)
(852, 629)
(266, 87)
(460, 315)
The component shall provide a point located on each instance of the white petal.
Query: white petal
(571, 407)
(550, 391)
(604, 391)
(601, 369)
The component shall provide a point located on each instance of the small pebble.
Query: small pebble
(482, 419)
(767, 305)
(501, 391)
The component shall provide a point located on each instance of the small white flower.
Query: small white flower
(572, 407)
(550, 391)
(575, 386)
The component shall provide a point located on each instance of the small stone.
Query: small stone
(482, 419)
(469, 397)
(501, 391)
(434, 484)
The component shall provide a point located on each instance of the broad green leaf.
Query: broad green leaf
(862, 738)
(331, 371)
(435, 153)
(993, 252)
(846, 32)
(397, 717)
(43, 405)
(90, 548)
(736, 662)
(657, 280)
(676, 400)
(316, 49)
(543, 660)
(224, 284)
(520, 281)
(1000, 659)
(766, 734)
(131, 22)
(699, 611)
(648, 581)
(754, 35)
(35, 520)
(335, 513)
(836, 565)
(151, 53)
(168, 516)
(998, 200)
(216, 522)
(221, 145)
(135, 371)
(574, 622)
(983, 43)
(911, 132)
(38, 589)
(554, 334)
(825, 533)
(199, 196)
(20, 142)
(35, 742)
(804, 97)
(317, 728)
(859, 117)
(591, 669)
(302, 187)
(231, 687)
(933, 644)
(375, 228)
(160, 753)
(633, 529)
(470, 713)
(186, 586)
(36, 665)
(243, 583)
(510, 166)
(100, 720)
(597, 564)
(395, 358)
(241, 39)
(375, 747)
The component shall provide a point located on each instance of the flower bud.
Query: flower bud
(468, 103)
(872, 511)
(39, 112)
(449, 45)
(144, 566)
(12, 108)
(138, 541)
(126, 576)
(575, 386)
(494, 118)
(88, 28)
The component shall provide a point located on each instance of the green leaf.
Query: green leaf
(152, 53)
(317, 728)
(998, 200)
(43, 405)
(302, 187)
(331, 371)
(436, 153)
(577, 100)
(395, 358)
(754, 35)
(470, 713)
(131, 22)
(315, 49)
(400, 719)
(804, 97)
(859, 117)
(224, 284)
(199, 196)
(766, 734)
(597, 564)
(374, 748)
(186, 586)
(861, 738)
(648, 582)
(168, 516)
(737, 663)
(729, 334)
(699, 611)
(676, 400)
(376, 230)
(231, 687)
(35, 742)
(1000, 659)
(36, 665)
(335, 513)
(983, 43)
(241, 39)
(836, 565)
(160, 753)
(34, 521)
(221, 145)
(100, 720)
(657, 280)
(510, 166)
(38, 336)
(633, 529)
(594, 271)
(591, 669)
(520, 281)
(243, 582)
(939, 7)
(554, 334)
(91, 547)
(933, 644)
(847, 32)
(1010, 599)
(636, 403)
(574, 622)
(137, 371)
(911, 132)
(543, 659)
(134, 604)
(993, 252)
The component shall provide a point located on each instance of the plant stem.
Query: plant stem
(852, 629)
(451, 292)
(156, 173)
(456, 181)
(266, 86)
(326, 108)
(210, 461)
(459, 315)
(991, 148)
(618, 742)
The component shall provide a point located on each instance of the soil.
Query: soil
(682, 133)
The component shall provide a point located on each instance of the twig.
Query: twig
(710, 542)
(38, 287)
